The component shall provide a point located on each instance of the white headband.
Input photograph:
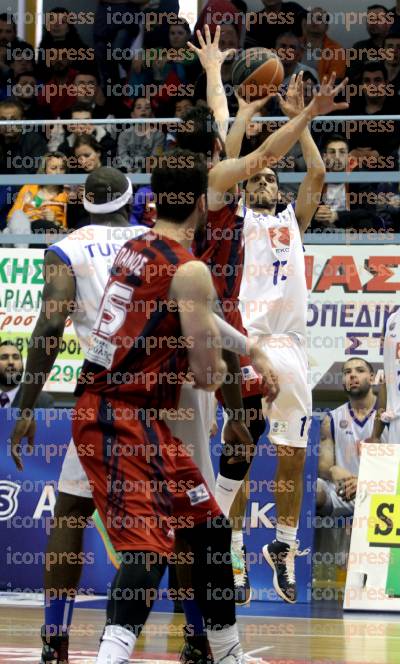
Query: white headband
(110, 206)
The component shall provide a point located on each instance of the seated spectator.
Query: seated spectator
(60, 34)
(182, 105)
(12, 51)
(20, 149)
(88, 91)
(173, 67)
(289, 48)
(57, 93)
(11, 372)
(25, 91)
(342, 431)
(317, 42)
(86, 157)
(212, 14)
(229, 39)
(39, 202)
(376, 97)
(264, 27)
(392, 46)
(140, 140)
(107, 144)
(378, 26)
(116, 26)
(351, 207)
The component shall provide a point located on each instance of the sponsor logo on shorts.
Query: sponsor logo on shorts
(198, 495)
(279, 426)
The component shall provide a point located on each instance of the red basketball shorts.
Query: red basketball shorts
(145, 485)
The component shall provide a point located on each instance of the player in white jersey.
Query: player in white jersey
(389, 393)
(273, 300)
(342, 432)
(76, 270)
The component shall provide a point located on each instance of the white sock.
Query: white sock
(224, 642)
(237, 540)
(116, 645)
(225, 492)
(286, 534)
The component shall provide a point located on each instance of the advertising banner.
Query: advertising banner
(353, 289)
(21, 285)
(27, 501)
(373, 581)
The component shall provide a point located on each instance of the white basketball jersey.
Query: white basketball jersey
(273, 294)
(347, 432)
(391, 362)
(90, 251)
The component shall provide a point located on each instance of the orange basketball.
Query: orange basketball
(257, 73)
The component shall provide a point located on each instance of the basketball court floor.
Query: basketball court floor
(318, 633)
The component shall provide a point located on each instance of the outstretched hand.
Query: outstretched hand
(293, 102)
(324, 100)
(209, 53)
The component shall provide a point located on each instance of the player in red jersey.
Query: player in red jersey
(152, 323)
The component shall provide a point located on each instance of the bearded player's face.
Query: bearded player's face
(262, 189)
(357, 378)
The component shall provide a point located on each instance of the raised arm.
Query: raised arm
(58, 300)
(212, 59)
(309, 193)
(243, 117)
(231, 171)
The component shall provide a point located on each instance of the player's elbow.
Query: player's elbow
(318, 172)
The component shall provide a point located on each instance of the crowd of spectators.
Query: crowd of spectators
(138, 65)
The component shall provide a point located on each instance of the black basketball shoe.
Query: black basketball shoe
(281, 558)
(196, 650)
(55, 648)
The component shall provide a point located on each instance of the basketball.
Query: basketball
(257, 73)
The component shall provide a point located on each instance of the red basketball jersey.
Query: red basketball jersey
(137, 350)
(221, 247)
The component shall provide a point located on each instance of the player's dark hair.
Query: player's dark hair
(357, 359)
(198, 131)
(177, 183)
(275, 172)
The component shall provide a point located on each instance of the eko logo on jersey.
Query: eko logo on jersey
(280, 238)
(8, 499)
(198, 495)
